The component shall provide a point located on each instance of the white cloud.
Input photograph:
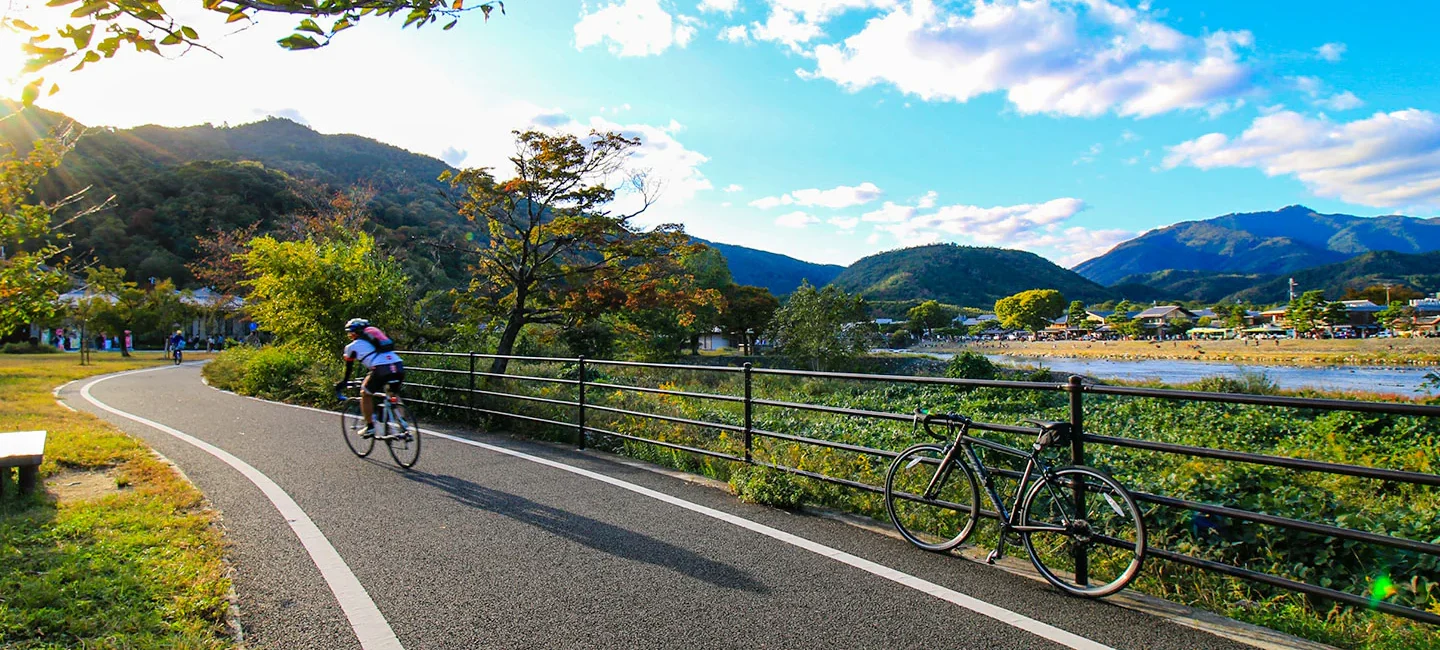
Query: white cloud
(1128, 136)
(844, 223)
(722, 6)
(734, 34)
(1387, 160)
(1342, 102)
(733, 188)
(927, 201)
(634, 28)
(1089, 155)
(1315, 89)
(795, 219)
(1049, 56)
(796, 22)
(838, 197)
(1330, 51)
(1037, 227)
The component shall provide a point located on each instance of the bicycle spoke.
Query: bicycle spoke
(1106, 532)
(945, 515)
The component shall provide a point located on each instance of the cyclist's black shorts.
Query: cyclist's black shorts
(383, 374)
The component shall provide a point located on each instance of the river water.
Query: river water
(1375, 379)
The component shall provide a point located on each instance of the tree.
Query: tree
(708, 270)
(1384, 294)
(149, 27)
(1234, 315)
(1304, 311)
(1334, 314)
(747, 310)
(1030, 310)
(821, 328)
(555, 252)
(31, 249)
(1178, 326)
(1077, 317)
(931, 315)
(127, 301)
(1396, 316)
(304, 291)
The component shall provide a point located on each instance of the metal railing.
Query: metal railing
(1075, 389)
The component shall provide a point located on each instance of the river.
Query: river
(1375, 379)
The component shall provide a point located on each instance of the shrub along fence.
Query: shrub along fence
(1327, 529)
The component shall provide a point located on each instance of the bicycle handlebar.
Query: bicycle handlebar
(923, 419)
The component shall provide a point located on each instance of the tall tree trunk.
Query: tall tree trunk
(513, 324)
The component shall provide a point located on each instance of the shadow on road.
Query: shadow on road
(617, 541)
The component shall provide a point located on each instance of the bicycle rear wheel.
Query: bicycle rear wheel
(352, 425)
(1105, 533)
(944, 518)
(402, 436)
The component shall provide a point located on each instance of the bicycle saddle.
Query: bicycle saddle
(1051, 431)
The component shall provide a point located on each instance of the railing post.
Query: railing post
(470, 396)
(749, 413)
(580, 432)
(1076, 389)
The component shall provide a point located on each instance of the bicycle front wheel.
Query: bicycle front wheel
(943, 518)
(1092, 547)
(352, 425)
(402, 436)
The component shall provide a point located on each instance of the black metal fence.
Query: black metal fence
(1075, 388)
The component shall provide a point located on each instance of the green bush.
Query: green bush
(970, 365)
(279, 372)
(26, 348)
(1251, 383)
(767, 486)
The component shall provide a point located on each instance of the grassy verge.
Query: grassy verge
(118, 550)
(1380, 352)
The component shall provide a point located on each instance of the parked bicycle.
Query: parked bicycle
(395, 426)
(1080, 527)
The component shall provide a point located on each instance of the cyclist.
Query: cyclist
(375, 351)
(177, 343)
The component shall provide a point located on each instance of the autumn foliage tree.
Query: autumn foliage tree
(555, 250)
(1029, 310)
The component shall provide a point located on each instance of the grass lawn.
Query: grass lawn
(1373, 351)
(117, 550)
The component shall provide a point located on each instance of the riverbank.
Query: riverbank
(1296, 352)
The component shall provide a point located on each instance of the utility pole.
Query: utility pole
(1292, 289)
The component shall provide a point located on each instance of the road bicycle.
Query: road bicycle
(1080, 527)
(395, 426)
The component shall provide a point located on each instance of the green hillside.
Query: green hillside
(963, 275)
(1418, 271)
(1203, 286)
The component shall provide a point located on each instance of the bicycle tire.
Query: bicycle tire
(946, 520)
(403, 437)
(1111, 535)
(352, 424)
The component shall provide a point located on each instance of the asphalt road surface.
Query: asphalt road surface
(493, 542)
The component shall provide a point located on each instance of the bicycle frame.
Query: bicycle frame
(1033, 462)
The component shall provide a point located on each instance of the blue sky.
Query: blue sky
(833, 129)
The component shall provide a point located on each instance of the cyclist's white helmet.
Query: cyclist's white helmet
(356, 324)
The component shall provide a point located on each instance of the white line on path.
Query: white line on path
(369, 624)
(1014, 619)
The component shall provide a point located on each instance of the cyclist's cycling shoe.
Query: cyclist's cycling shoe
(369, 432)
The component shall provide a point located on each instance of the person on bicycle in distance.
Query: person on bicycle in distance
(376, 352)
(177, 342)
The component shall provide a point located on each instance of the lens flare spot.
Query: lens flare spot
(1381, 589)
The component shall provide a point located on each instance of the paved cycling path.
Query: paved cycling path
(546, 547)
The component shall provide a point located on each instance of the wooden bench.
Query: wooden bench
(24, 450)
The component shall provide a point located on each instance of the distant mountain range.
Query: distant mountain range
(781, 274)
(1282, 241)
(963, 275)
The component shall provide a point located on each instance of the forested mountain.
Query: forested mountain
(781, 274)
(1204, 286)
(963, 275)
(1419, 271)
(1282, 241)
(173, 184)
